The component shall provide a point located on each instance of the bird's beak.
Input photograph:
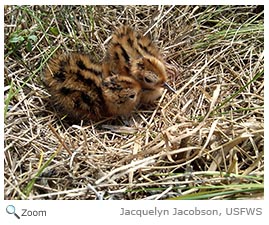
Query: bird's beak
(168, 87)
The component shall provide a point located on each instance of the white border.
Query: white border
(91, 212)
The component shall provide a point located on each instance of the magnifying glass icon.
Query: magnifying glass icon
(11, 210)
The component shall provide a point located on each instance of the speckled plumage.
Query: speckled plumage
(77, 87)
(131, 54)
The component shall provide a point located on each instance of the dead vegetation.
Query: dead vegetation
(204, 142)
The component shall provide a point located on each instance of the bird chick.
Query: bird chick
(77, 87)
(134, 55)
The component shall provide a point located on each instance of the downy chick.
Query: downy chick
(77, 87)
(134, 55)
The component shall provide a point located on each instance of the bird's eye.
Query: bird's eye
(147, 80)
(132, 96)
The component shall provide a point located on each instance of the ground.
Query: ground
(206, 141)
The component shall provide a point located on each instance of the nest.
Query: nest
(204, 142)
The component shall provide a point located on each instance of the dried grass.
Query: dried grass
(204, 142)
